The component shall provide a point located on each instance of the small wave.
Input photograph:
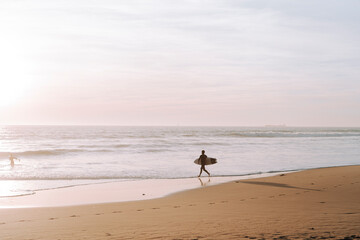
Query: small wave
(289, 134)
(121, 145)
(41, 152)
(125, 177)
(190, 135)
(53, 152)
(17, 194)
(70, 178)
(209, 144)
(156, 150)
(91, 146)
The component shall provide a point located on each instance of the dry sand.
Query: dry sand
(314, 204)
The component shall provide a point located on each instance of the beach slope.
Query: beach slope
(320, 203)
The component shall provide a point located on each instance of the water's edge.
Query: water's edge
(109, 192)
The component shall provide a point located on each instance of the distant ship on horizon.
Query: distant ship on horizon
(276, 125)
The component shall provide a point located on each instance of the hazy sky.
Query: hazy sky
(224, 62)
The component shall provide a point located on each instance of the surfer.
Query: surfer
(12, 158)
(202, 159)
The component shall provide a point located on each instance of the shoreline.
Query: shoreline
(311, 204)
(108, 192)
(52, 197)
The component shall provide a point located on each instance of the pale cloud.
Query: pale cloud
(174, 62)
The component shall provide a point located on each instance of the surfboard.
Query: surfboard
(208, 161)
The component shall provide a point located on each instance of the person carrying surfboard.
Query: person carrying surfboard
(202, 159)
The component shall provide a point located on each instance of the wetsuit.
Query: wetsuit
(202, 159)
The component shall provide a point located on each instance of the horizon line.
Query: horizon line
(178, 125)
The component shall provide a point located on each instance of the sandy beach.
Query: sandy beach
(110, 110)
(313, 204)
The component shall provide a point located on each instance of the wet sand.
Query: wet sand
(312, 204)
(110, 192)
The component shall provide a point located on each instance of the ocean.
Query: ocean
(62, 156)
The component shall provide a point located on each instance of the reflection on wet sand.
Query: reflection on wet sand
(107, 192)
(203, 184)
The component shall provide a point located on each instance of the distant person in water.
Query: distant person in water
(203, 161)
(12, 158)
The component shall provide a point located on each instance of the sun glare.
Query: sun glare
(12, 88)
(14, 77)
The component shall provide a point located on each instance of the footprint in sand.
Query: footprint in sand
(192, 205)
(155, 208)
(224, 201)
(117, 212)
(176, 206)
(52, 218)
(139, 210)
(108, 234)
(2, 223)
(74, 216)
(97, 214)
(211, 203)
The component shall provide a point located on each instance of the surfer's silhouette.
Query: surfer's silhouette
(203, 161)
(12, 158)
